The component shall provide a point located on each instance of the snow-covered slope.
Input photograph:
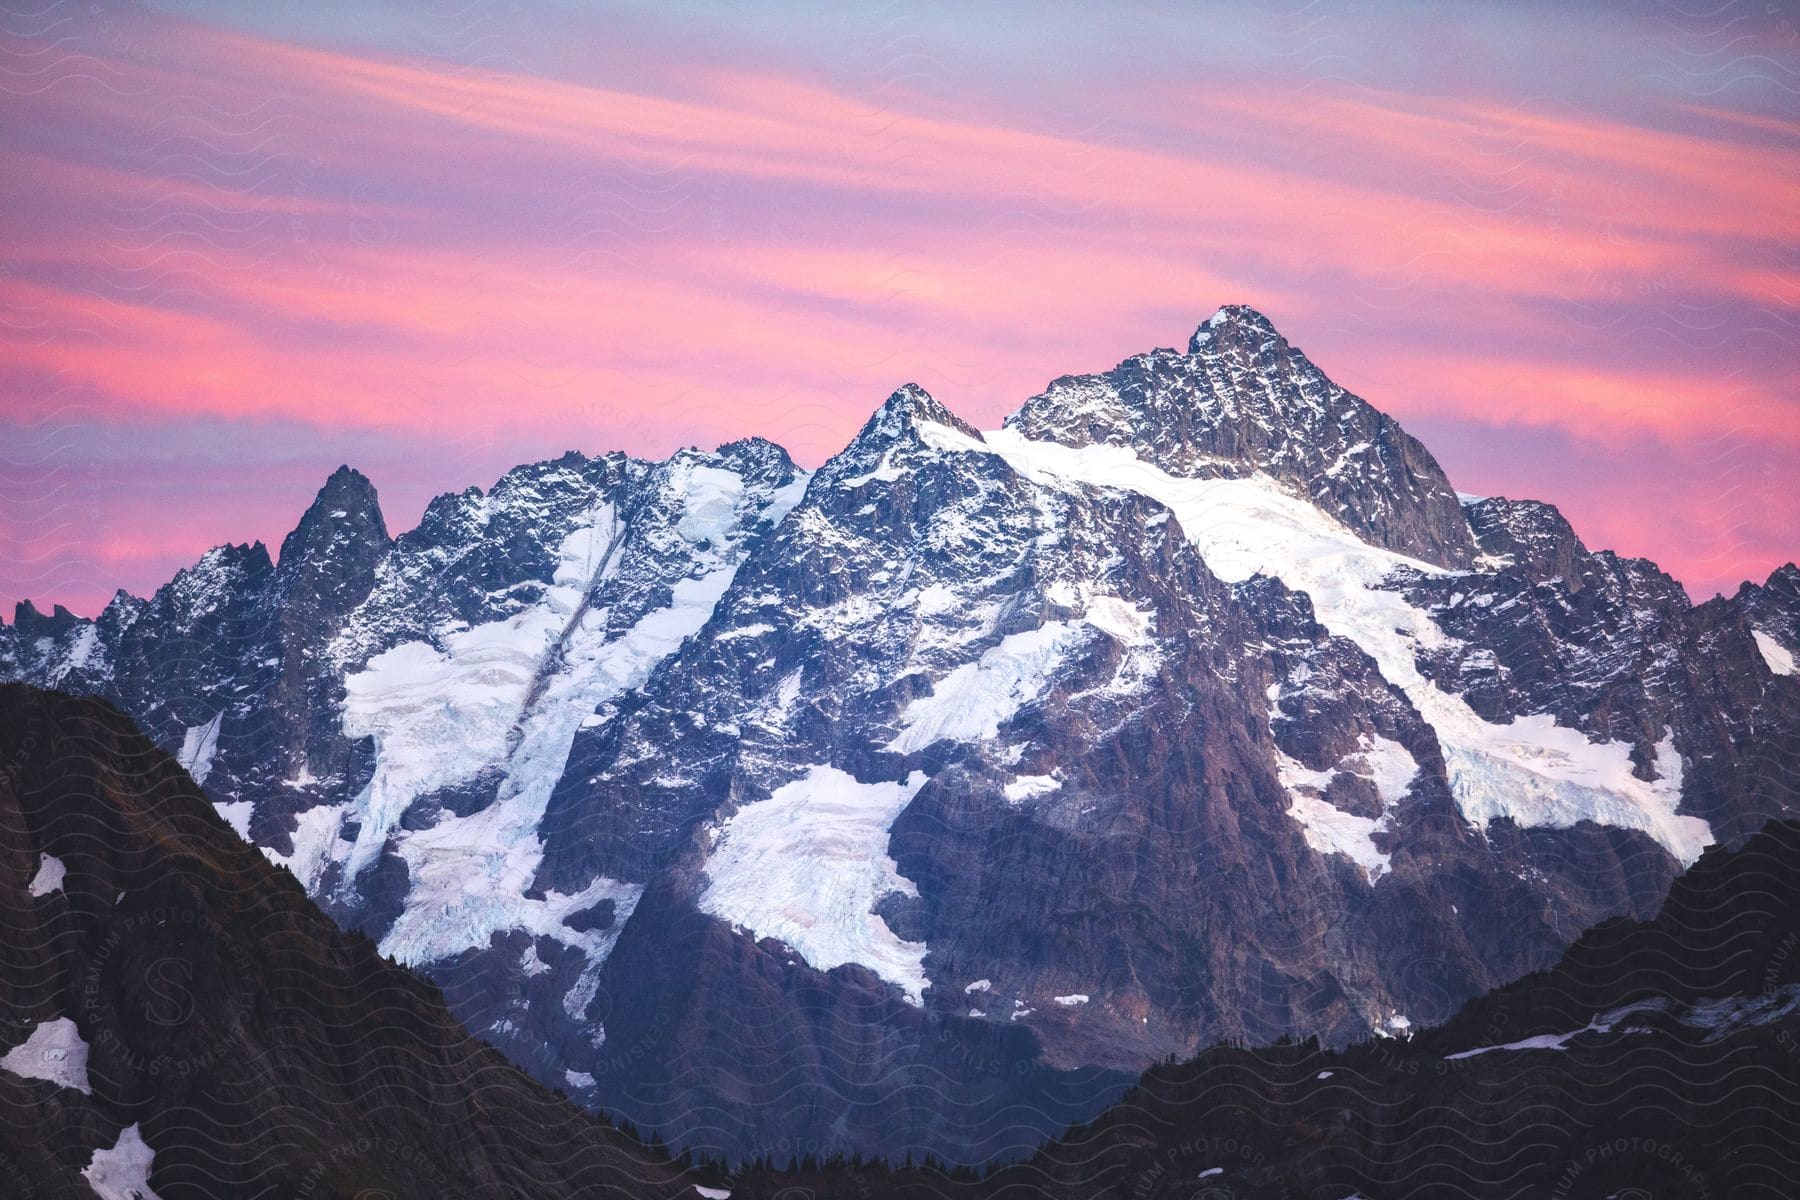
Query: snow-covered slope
(1529, 769)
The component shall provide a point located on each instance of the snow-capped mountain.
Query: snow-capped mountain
(917, 802)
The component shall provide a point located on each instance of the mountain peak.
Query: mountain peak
(346, 509)
(28, 620)
(1243, 400)
(911, 425)
(908, 408)
(1234, 323)
(757, 458)
(350, 490)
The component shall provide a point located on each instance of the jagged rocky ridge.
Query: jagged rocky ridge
(1656, 1058)
(917, 802)
(179, 1020)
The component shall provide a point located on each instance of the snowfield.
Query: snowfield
(1532, 770)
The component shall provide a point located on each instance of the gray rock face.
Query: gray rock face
(916, 803)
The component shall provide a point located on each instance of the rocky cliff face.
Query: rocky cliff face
(915, 803)
(1655, 1059)
(179, 1020)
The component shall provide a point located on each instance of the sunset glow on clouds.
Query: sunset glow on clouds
(240, 250)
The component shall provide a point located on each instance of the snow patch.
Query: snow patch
(85, 653)
(198, 746)
(1126, 623)
(1716, 1018)
(1721, 1017)
(975, 699)
(808, 865)
(1073, 1000)
(1603, 1023)
(54, 1052)
(49, 877)
(747, 631)
(237, 814)
(1778, 657)
(316, 842)
(123, 1172)
(1024, 787)
(1330, 830)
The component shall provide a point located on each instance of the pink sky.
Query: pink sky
(1558, 245)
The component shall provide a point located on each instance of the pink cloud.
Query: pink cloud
(239, 228)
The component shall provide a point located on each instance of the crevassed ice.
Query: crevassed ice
(441, 717)
(807, 867)
(1532, 770)
(315, 843)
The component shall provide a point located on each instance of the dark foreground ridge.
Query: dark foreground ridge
(1658, 1058)
(178, 1017)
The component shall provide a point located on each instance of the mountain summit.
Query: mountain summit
(1243, 401)
(918, 802)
